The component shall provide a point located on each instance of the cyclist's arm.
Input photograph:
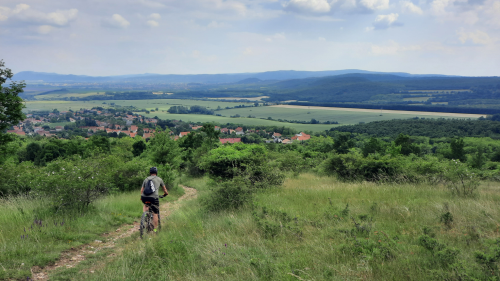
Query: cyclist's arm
(142, 189)
(165, 189)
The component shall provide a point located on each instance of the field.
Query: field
(316, 228)
(345, 116)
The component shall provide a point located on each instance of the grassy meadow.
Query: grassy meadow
(317, 228)
(25, 243)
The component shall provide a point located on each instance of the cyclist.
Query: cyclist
(152, 200)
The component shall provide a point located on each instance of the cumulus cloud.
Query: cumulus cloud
(374, 4)
(155, 16)
(23, 13)
(409, 7)
(386, 21)
(116, 21)
(476, 37)
(307, 6)
(152, 23)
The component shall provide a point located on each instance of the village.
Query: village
(123, 123)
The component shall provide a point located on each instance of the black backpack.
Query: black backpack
(150, 187)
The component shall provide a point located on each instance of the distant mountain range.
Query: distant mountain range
(33, 77)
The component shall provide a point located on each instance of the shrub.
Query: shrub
(227, 195)
(130, 175)
(460, 179)
(354, 167)
(75, 183)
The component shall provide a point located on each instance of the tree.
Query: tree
(457, 149)
(11, 104)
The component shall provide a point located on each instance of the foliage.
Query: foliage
(75, 183)
(164, 150)
(460, 179)
(228, 195)
(11, 104)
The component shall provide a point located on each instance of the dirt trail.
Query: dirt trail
(73, 257)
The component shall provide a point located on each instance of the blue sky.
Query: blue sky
(114, 37)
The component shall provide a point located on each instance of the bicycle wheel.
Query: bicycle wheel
(159, 222)
(144, 223)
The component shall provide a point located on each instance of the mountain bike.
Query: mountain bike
(147, 225)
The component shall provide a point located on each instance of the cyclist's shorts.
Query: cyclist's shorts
(154, 203)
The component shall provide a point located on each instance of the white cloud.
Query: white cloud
(152, 23)
(386, 21)
(116, 21)
(20, 7)
(277, 36)
(45, 29)
(375, 4)
(409, 7)
(23, 13)
(321, 39)
(155, 16)
(307, 6)
(477, 37)
(4, 13)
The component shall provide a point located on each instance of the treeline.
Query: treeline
(195, 109)
(433, 128)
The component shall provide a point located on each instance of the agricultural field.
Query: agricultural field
(344, 116)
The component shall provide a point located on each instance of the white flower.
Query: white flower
(63, 169)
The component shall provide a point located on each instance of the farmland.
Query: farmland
(344, 116)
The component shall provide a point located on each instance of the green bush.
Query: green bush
(355, 167)
(130, 175)
(16, 179)
(227, 195)
(75, 183)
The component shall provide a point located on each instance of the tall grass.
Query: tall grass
(316, 228)
(31, 233)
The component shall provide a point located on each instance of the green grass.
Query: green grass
(303, 231)
(161, 104)
(42, 245)
(344, 117)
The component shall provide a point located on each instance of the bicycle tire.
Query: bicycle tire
(144, 223)
(159, 222)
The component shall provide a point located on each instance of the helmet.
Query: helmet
(153, 170)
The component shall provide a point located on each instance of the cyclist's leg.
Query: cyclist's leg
(155, 207)
(155, 220)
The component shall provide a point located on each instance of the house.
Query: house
(133, 128)
(72, 120)
(197, 127)
(276, 135)
(59, 128)
(217, 128)
(239, 129)
(117, 126)
(301, 137)
(224, 130)
(230, 140)
(285, 141)
(146, 135)
(183, 134)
